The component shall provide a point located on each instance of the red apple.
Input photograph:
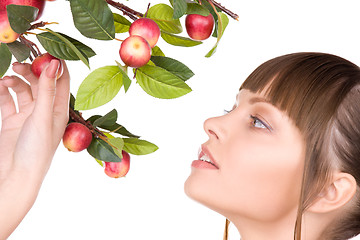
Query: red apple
(146, 28)
(41, 62)
(77, 137)
(118, 169)
(7, 35)
(39, 4)
(199, 27)
(135, 51)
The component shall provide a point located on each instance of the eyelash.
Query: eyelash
(254, 119)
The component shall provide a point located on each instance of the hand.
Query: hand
(29, 137)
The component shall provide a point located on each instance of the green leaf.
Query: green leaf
(101, 150)
(5, 59)
(174, 66)
(138, 147)
(223, 21)
(162, 14)
(117, 145)
(99, 162)
(108, 119)
(72, 101)
(20, 51)
(179, 40)
(20, 17)
(93, 19)
(180, 7)
(122, 25)
(63, 47)
(160, 83)
(119, 128)
(156, 51)
(126, 79)
(194, 8)
(99, 87)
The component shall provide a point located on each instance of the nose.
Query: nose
(214, 128)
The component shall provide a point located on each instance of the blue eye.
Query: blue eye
(257, 123)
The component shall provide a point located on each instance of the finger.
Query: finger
(61, 104)
(7, 104)
(46, 91)
(22, 90)
(24, 69)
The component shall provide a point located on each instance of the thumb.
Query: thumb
(47, 90)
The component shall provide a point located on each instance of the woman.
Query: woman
(285, 161)
(282, 162)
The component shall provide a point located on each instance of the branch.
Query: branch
(36, 25)
(36, 52)
(78, 118)
(126, 10)
(225, 10)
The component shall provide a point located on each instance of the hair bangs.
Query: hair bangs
(302, 84)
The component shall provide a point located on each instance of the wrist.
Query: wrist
(18, 192)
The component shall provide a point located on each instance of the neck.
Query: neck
(313, 227)
(279, 229)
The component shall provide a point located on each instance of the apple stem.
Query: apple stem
(134, 15)
(225, 10)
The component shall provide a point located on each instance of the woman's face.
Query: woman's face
(258, 155)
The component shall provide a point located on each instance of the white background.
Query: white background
(78, 201)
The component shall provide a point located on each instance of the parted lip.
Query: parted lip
(205, 151)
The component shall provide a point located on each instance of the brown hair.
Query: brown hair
(321, 95)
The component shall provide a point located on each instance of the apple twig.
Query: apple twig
(131, 13)
(78, 118)
(135, 14)
(37, 25)
(225, 10)
(36, 52)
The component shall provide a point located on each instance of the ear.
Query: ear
(337, 194)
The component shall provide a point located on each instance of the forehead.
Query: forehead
(251, 97)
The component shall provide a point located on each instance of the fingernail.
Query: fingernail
(15, 63)
(52, 69)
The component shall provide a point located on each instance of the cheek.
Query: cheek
(262, 179)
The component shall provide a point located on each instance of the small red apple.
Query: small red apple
(7, 35)
(135, 51)
(39, 4)
(199, 27)
(118, 169)
(77, 137)
(146, 28)
(41, 62)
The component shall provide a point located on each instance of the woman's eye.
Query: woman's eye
(256, 122)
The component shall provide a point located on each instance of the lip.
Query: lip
(205, 151)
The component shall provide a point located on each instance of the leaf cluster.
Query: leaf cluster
(163, 77)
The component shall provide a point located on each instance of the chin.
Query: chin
(188, 188)
(201, 191)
